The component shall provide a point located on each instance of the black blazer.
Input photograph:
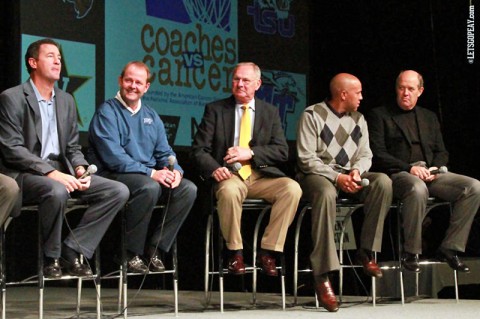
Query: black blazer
(216, 134)
(391, 145)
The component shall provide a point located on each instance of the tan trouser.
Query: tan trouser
(284, 194)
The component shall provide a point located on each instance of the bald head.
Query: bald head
(409, 87)
(346, 92)
(342, 82)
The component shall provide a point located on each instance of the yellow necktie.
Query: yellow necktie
(245, 137)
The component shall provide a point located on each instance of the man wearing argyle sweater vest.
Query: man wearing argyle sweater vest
(333, 157)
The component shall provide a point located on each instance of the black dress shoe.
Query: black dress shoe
(137, 265)
(52, 268)
(75, 268)
(451, 258)
(155, 263)
(410, 262)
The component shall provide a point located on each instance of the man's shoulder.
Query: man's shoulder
(16, 90)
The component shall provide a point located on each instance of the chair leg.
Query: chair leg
(295, 257)
(208, 272)
(2, 270)
(41, 279)
(455, 277)
(175, 276)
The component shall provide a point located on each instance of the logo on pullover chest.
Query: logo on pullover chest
(147, 120)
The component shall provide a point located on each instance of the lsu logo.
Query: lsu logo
(272, 17)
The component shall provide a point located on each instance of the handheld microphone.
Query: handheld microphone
(440, 170)
(364, 182)
(235, 167)
(171, 162)
(91, 169)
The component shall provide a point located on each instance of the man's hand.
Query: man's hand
(84, 182)
(423, 173)
(221, 174)
(237, 154)
(348, 183)
(167, 178)
(71, 183)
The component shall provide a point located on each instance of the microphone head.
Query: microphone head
(171, 160)
(443, 169)
(236, 166)
(92, 169)
(365, 182)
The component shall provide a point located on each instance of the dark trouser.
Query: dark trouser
(322, 194)
(105, 198)
(462, 191)
(145, 193)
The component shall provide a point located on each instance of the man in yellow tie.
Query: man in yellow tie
(247, 131)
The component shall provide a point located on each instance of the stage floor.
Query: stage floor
(22, 303)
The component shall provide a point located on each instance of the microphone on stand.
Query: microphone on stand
(364, 182)
(440, 170)
(91, 169)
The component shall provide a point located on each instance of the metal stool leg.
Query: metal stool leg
(295, 257)
(2, 270)
(255, 268)
(208, 272)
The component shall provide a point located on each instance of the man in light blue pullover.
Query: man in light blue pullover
(129, 144)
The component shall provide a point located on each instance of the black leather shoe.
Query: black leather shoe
(451, 258)
(410, 262)
(52, 268)
(77, 269)
(137, 265)
(155, 264)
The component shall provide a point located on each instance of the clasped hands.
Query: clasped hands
(70, 182)
(349, 183)
(167, 178)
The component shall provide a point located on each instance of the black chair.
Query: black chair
(431, 204)
(122, 274)
(211, 270)
(72, 205)
(345, 209)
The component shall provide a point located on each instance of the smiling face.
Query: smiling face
(408, 89)
(133, 84)
(48, 63)
(245, 82)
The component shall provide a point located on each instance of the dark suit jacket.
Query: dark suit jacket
(391, 145)
(216, 134)
(21, 133)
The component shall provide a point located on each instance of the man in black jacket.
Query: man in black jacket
(218, 145)
(407, 144)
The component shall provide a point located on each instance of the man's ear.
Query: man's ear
(32, 62)
(420, 91)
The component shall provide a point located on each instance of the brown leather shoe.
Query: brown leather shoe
(266, 263)
(326, 297)
(370, 267)
(236, 266)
